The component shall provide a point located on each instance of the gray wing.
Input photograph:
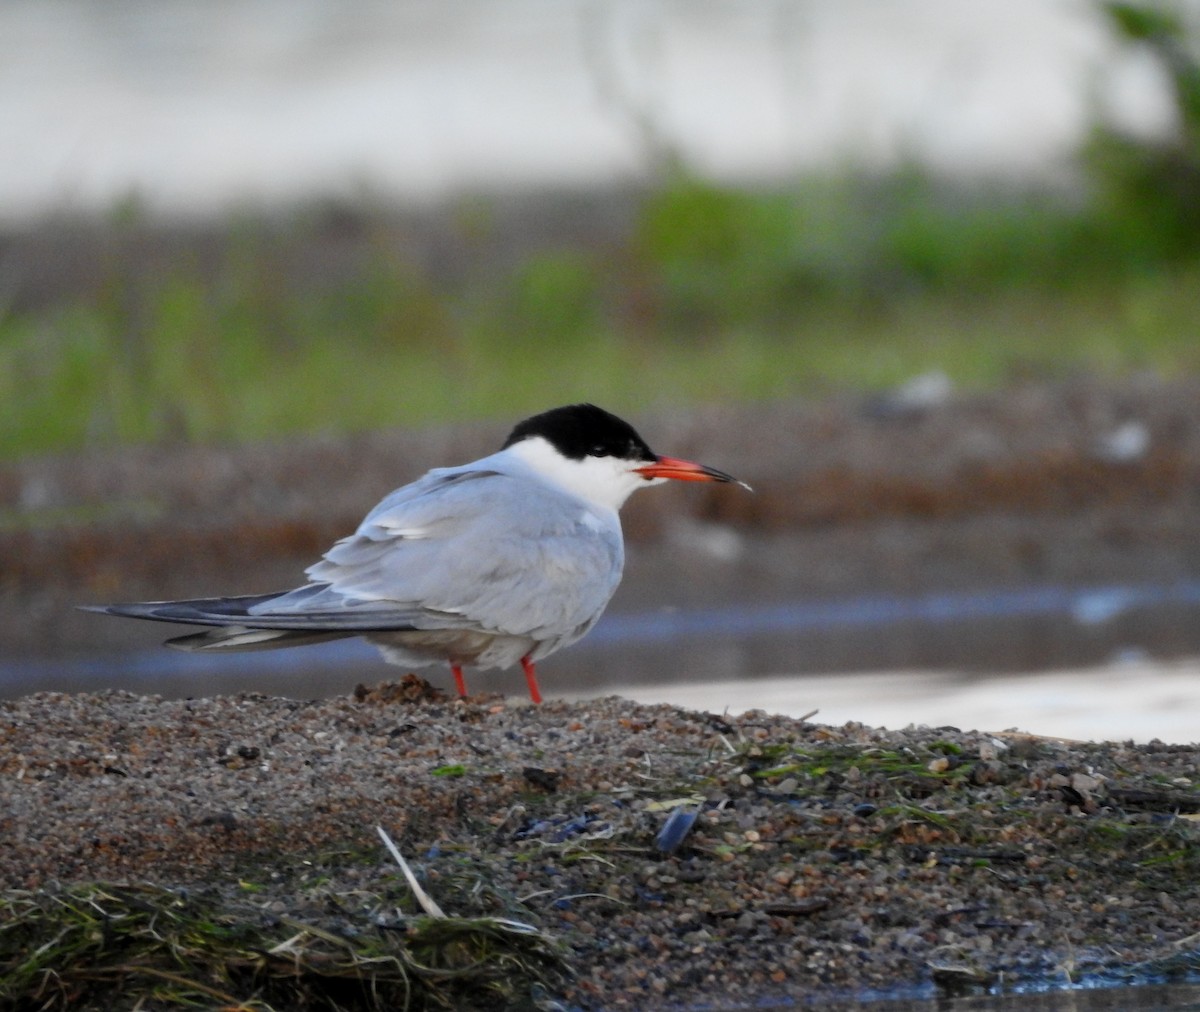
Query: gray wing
(466, 549)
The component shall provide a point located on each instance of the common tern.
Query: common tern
(503, 560)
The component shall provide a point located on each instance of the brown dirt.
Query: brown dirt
(822, 861)
(981, 490)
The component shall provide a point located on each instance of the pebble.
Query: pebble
(823, 883)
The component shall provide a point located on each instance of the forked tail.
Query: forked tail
(234, 626)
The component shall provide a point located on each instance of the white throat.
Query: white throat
(600, 481)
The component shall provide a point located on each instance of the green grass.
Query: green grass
(711, 295)
(68, 382)
(102, 945)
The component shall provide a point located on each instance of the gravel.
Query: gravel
(820, 860)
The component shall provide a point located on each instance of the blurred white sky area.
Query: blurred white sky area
(200, 105)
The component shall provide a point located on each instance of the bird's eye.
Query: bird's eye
(599, 450)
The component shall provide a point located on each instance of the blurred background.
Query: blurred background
(926, 274)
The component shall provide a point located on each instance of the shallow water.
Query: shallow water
(1113, 661)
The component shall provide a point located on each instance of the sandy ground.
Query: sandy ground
(815, 860)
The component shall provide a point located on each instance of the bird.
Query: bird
(501, 561)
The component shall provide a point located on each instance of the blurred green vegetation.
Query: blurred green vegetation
(347, 319)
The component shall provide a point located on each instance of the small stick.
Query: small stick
(428, 903)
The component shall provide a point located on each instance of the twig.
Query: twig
(428, 904)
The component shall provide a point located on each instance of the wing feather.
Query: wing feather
(467, 549)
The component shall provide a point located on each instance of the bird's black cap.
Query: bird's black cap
(584, 430)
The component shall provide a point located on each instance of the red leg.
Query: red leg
(531, 677)
(459, 681)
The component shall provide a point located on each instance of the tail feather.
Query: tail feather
(220, 611)
(247, 613)
(240, 638)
